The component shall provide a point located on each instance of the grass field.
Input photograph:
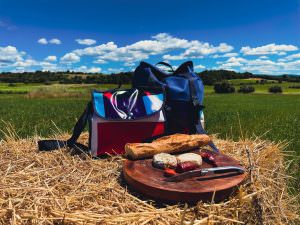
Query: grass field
(27, 88)
(85, 88)
(263, 88)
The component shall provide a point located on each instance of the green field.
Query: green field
(28, 88)
(22, 88)
(263, 88)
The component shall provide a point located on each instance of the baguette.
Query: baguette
(169, 144)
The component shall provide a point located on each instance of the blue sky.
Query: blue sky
(259, 36)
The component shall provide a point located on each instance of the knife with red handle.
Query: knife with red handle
(203, 172)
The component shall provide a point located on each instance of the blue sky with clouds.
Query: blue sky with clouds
(259, 36)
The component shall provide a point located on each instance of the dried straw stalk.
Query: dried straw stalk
(58, 188)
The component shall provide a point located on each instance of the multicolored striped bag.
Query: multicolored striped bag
(117, 117)
(125, 116)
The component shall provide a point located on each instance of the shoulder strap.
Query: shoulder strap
(49, 145)
(197, 107)
(185, 67)
(165, 64)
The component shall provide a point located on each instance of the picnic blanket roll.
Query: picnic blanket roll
(169, 144)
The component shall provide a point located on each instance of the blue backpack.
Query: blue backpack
(184, 95)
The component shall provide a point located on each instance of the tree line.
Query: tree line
(209, 77)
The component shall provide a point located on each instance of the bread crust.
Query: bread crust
(175, 143)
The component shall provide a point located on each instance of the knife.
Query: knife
(203, 172)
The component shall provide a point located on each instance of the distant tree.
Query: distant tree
(275, 89)
(263, 81)
(47, 82)
(295, 86)
(223, 87)
(11, 85)
(246, 89)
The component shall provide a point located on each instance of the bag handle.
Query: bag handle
(49, 145)
(165, 64)
(197, 108)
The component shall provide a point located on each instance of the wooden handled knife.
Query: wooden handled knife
(203, 172)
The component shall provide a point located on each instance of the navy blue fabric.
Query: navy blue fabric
(178, 87)
(177, 82)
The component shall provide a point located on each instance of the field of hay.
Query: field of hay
(62, 188)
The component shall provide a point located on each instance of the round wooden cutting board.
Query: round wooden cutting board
(150, 181)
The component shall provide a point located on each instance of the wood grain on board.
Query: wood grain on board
(150, 181)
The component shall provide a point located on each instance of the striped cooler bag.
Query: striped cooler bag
(117, 117)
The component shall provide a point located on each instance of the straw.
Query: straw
(60, 188)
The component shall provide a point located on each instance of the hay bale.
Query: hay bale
(56, 187)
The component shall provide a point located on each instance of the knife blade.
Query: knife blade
(203, 172)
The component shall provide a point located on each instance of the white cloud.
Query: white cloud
(236, 59)
(163, 46)
(159, 44)
(96, 50)
(86, 41)
(94, 70)
(17, 61)
(176, 57)
(230, 54)
(232, 62)
(281, 53)
(55, 41)
(48, 66)
(86, 69)
(80, 69)
(51, 58)
(115, 70)
(10, 54)
(282, 60)
(198, 49)
(70, 58)
(25, 63)
(199, 67)
(260, 62)
(42, 41)
(293, 56)
(129, 64)
(270, 49)
(263, 57)
(262, 66)
(99, 61)
(228, 65)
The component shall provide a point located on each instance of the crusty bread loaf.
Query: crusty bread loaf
(168, 144)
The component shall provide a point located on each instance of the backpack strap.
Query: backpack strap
(167, 65)
(200, 130)
(49, 145)
(197, 107)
